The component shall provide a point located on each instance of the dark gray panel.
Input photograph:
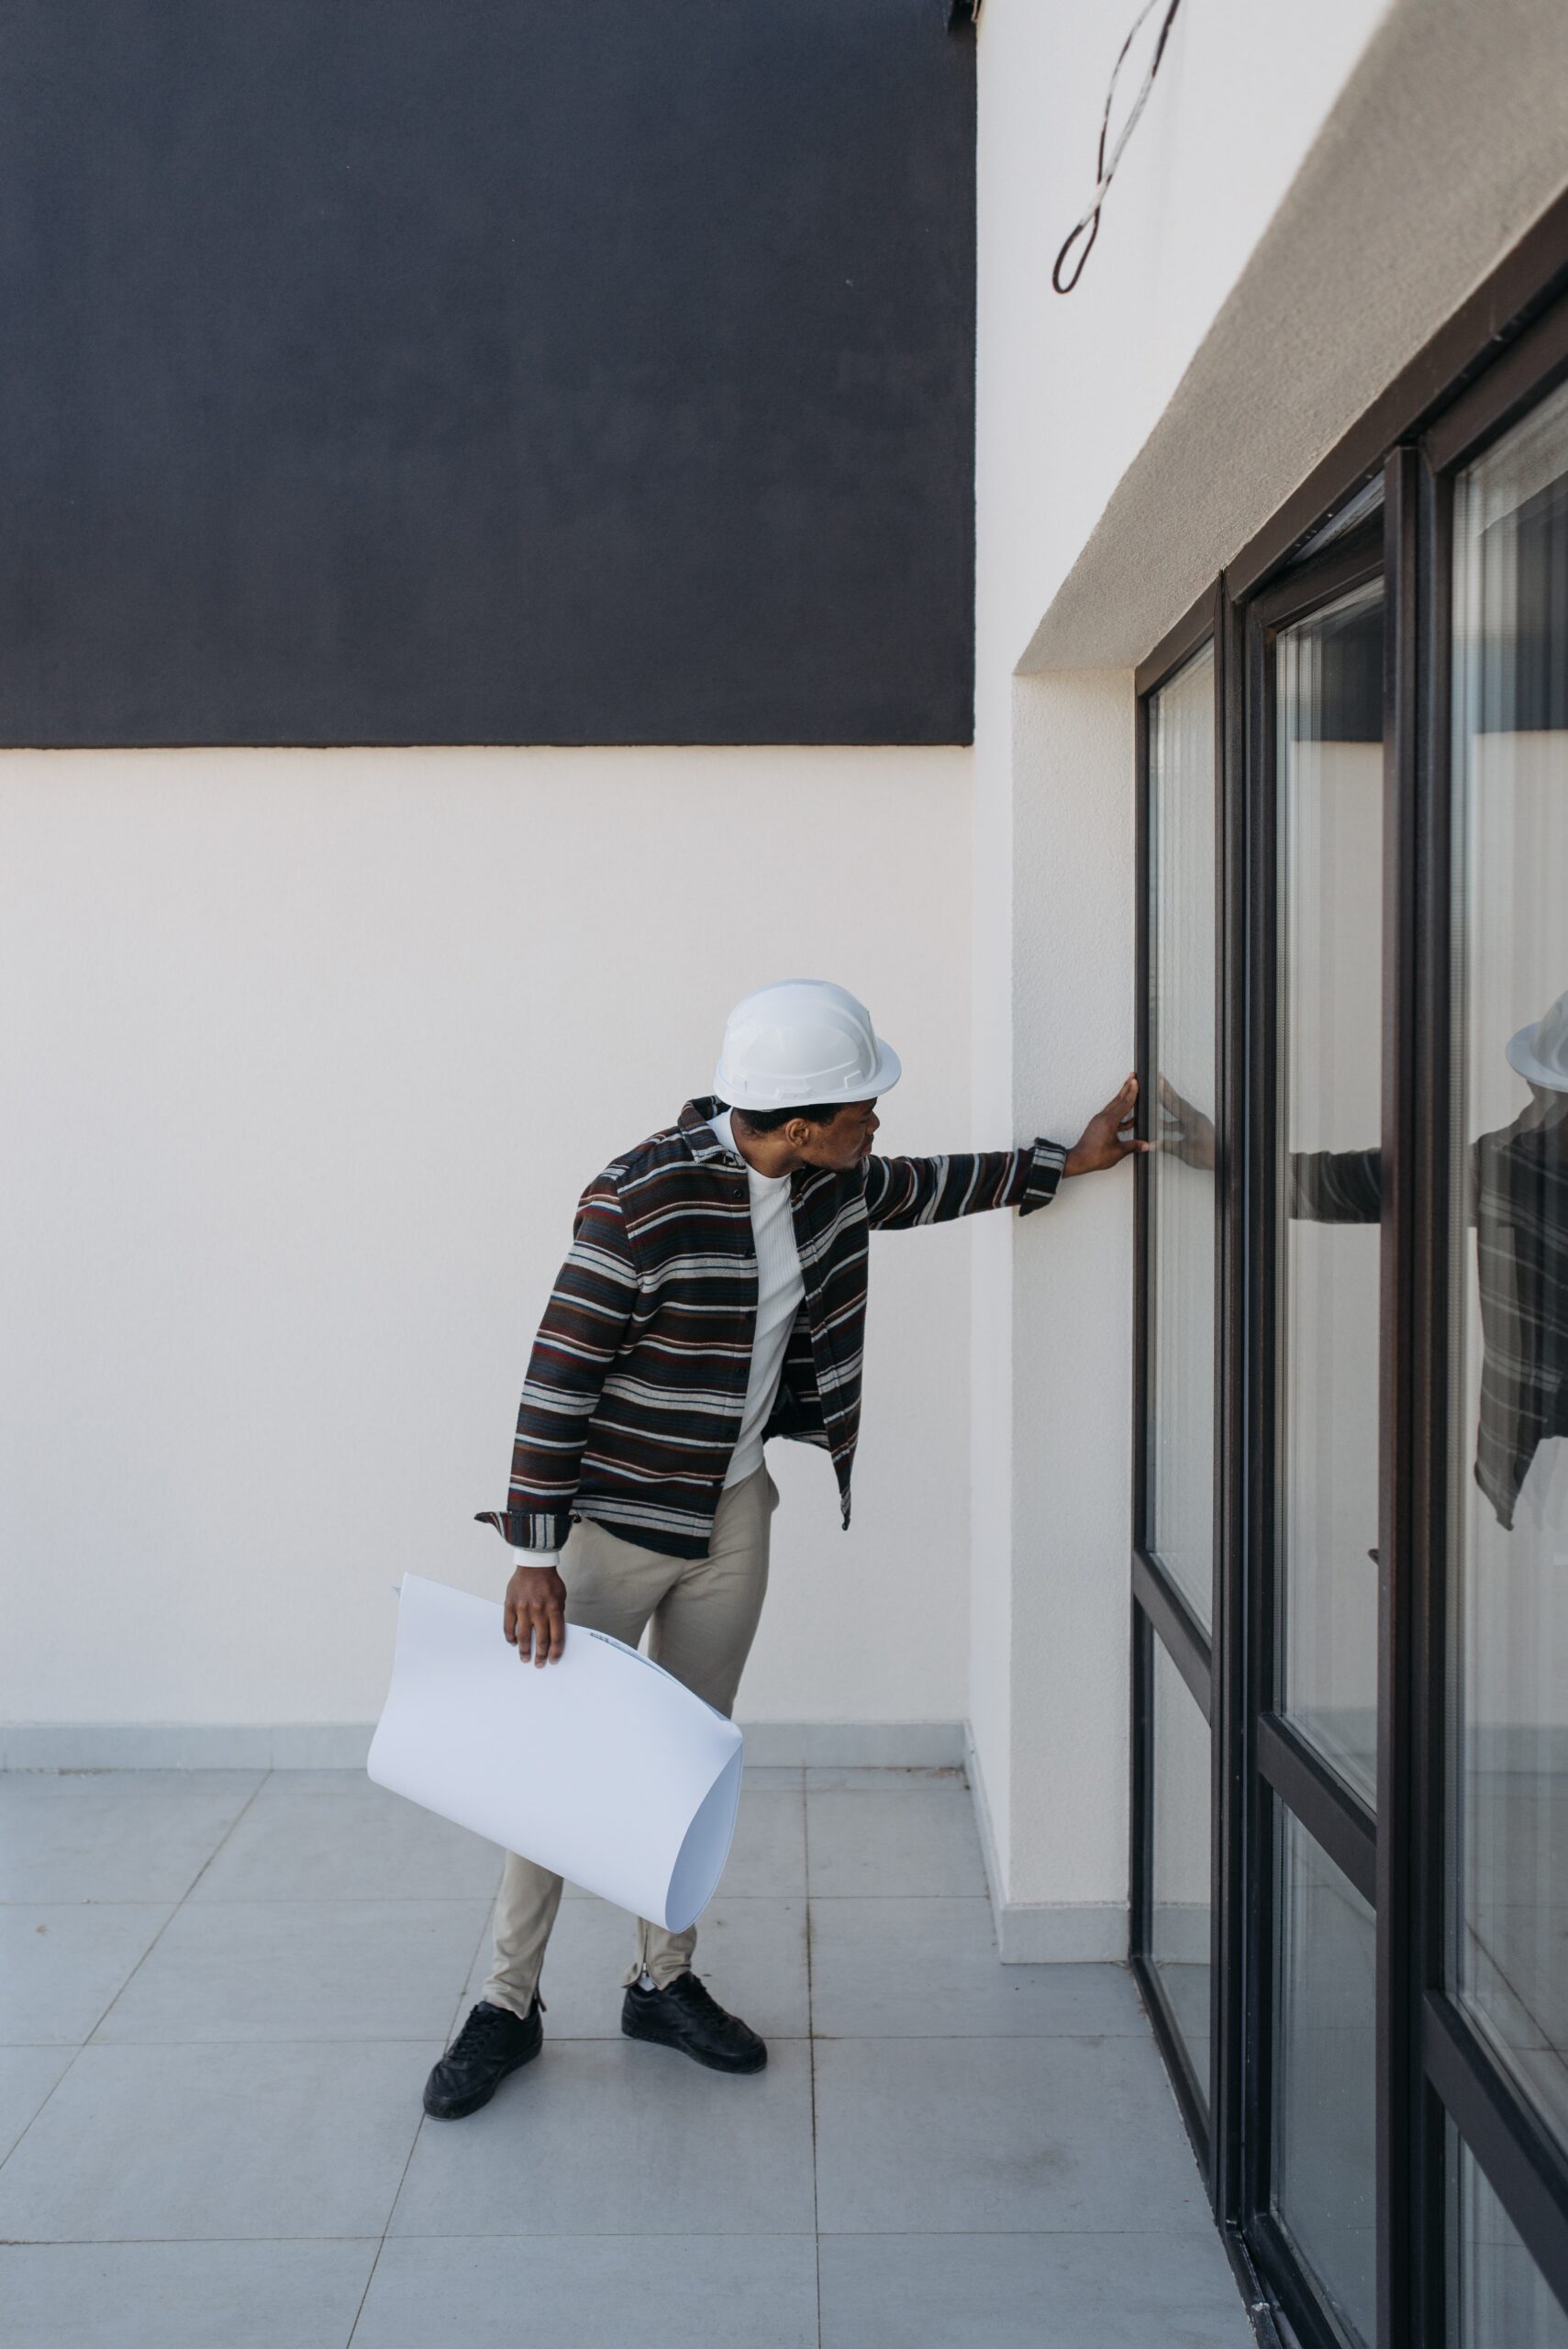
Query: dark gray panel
(567, 371)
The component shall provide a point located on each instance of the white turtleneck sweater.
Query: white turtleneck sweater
(779, 1291)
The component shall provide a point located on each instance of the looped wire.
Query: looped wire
(1105, 172)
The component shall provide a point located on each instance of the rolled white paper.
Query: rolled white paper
(600, 1766)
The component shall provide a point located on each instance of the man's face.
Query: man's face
(843, 1142)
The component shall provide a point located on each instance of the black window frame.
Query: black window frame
(1161, 1610)
(1502, 352)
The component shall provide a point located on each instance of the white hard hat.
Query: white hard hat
(802, 1040)
(1539, 1051)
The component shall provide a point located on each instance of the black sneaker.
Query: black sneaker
(492, 2043)
(684, 2015)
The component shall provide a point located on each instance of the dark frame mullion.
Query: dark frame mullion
(1285, 1767)
(1233, 1720)
(1398, 2060)
(1161, 1610)
(1332, 1815)
(1299, 2294)
(1522, 2162)
(1190, 2092)
(1255, 1578)
(1532, 367)
(1176, 647)
(1178, 1626)
(1424, 1801)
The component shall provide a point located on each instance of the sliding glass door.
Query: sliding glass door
(1507, 1955)
(1350, 1573)
(1315, 988)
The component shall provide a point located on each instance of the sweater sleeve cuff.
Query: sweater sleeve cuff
(1044, 1175)
(528, 1528)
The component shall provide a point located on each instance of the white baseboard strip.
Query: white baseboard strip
(1044, 1932)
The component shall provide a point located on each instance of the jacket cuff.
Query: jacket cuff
(527, 1529)
(1044, 1175)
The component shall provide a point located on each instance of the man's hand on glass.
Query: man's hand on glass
(535, 1617)
(1109, 1137)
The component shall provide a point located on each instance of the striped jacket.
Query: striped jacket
(633, 1396)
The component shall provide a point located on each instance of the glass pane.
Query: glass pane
(1324, 2075)
(1181, 1172)
(1501, 2301)
(1182, 1800)
(1329, 762)
(1510, 1257)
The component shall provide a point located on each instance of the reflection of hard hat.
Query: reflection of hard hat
(802, 1040)
(1540, 1053)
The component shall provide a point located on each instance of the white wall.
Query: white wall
(1070, 387)
(306, 1057)
(1068, 390)
(1309, 195)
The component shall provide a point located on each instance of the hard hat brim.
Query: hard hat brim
(884, 1076)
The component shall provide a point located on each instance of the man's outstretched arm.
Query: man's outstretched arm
(1321, 1185)
(901, 1193)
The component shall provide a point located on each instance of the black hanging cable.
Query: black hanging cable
(1105, 172)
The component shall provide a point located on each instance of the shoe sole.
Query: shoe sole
(711, 2062)
(477, 2103)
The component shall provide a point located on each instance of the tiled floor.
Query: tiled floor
(221, 1993)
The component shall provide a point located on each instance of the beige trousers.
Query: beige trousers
(703, 1613)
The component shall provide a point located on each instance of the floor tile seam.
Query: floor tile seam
(5, 1904)
(554, 2234)
(812, 1894)
(968, 2038)
(1033, 2037)
(564, 2234)
(811, 2070)
(224, 1838)
(369, 1900)
(291, 2039)
(966, 2234)
(396, 2196)
(109, 2243)
(484, 1927)
(376, 2263)
(579, 2038)
(337, 2038)
(638, 2234)
(80, 2045)
(975, 1898)
(380, 2039)
(307, 1900)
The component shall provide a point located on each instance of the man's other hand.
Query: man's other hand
(1109, 1137)
(536, 1614)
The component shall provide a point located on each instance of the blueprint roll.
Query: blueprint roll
(600, 1766)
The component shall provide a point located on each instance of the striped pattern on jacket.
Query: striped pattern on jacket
(633, 1396)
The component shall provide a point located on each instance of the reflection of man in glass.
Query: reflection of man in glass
(1519, 1204)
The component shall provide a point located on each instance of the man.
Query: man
(714, 1297)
